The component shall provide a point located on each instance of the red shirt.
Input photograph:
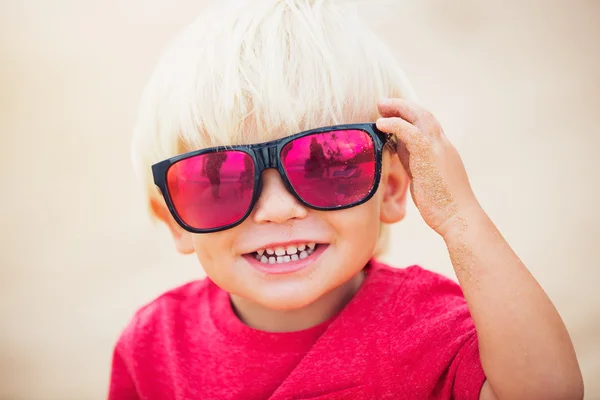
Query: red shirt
(406, 334)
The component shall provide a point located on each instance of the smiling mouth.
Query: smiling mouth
(282, 255)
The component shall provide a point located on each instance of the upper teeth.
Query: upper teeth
(282, 254)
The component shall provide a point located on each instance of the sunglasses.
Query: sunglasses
(330, 168)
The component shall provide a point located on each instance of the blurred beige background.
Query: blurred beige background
(515, 84)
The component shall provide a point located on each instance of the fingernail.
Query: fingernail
(384, 102)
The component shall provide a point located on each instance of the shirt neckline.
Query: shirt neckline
(234, 330)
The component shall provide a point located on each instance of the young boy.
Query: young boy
(268, 149)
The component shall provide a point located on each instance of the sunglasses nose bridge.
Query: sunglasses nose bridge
(267, 156)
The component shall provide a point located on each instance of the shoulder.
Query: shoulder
(416, 281)
(419, 294)
(161, 315)
(429, 324)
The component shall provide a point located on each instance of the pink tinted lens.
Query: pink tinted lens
(212, 190)
(331, 169)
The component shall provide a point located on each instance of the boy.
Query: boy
(267, 150)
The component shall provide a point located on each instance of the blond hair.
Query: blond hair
(254, 70)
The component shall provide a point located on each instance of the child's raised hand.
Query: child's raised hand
(439, 184)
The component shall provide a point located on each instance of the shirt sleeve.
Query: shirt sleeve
(122, 384)
(436, 339)
(468, 372)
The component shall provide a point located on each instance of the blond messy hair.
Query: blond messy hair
(255, 70)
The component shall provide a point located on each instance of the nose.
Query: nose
(275, 203)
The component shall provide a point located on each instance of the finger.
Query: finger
(409, 111)
(406, 132)
(397, 108)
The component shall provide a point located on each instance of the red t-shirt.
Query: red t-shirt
(406, 334)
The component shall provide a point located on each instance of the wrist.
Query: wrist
(461, 220)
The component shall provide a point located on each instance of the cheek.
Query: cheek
(215, 254)
(213, 250)
(358, 227)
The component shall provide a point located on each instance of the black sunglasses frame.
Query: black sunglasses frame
(268, 155)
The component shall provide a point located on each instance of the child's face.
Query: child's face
(327, 248)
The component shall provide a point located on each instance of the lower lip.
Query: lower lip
(288, 267)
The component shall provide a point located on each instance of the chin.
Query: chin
(288, 299)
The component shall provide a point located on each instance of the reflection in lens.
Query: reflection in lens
(331, 169)
(212, 190)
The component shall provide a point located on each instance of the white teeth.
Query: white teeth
(282, 254)
(291, 250)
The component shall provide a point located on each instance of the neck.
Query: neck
(319, 311)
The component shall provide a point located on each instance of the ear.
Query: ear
(394, 181)
(181, 237)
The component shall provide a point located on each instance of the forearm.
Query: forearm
(525, 349)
